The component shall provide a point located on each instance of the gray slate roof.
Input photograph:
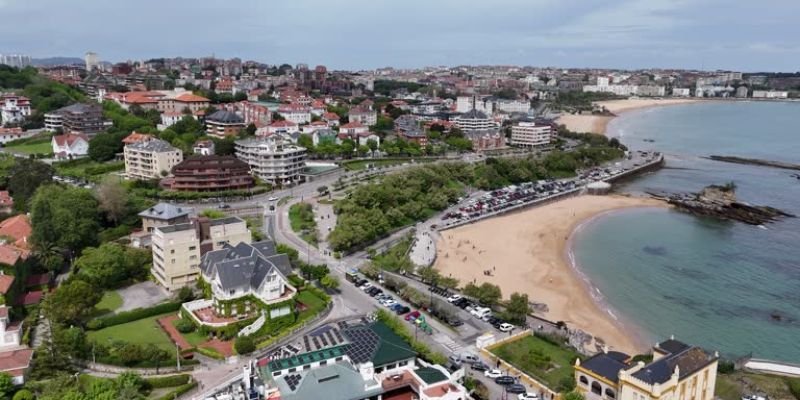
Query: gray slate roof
(166, 211)
(156, 145)
(474, 114)
(336, 381)
(245, 265)
(224, 116)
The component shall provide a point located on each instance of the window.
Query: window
(192, 247)
(596, 388)
(583, 380)
(610, 394)
(292, 370)
(323, 362)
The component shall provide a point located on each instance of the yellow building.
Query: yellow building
(678, 372)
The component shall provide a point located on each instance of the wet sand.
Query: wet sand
(599, 123)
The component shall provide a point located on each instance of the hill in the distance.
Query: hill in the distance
(50, 61)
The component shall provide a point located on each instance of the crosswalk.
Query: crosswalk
(448, 342)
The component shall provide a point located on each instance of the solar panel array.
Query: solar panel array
(293, 381)
(363, 343)
(324, 337)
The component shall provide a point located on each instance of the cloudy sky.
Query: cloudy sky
(708, 34)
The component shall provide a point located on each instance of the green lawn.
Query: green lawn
(109, 303)
(43, 147)
(87, 169)
(194, 338)
(734, 386)
(540, 359)
(144, 331)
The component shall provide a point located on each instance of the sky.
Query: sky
(737, 35)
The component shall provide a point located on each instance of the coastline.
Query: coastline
(529, 252)
(598, 124)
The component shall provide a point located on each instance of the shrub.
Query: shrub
(178, 392)
(132, 315)
(184, 326)
(211, 353)
(186, 294)
(725, 367)
(794, 386)
(167, 381)
(244, 345)
(24, 394)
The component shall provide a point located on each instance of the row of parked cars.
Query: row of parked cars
(511, 196)
(509, 383)
(475, 309)
(383, 299)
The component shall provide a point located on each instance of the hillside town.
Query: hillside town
(208, 228)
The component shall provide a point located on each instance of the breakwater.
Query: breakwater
(755, 161)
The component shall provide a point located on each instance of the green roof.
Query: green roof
(392, 347)
(306, 358)
(430, 375)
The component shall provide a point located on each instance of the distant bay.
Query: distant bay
(726, 286)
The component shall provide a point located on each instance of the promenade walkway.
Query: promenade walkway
(423, 251)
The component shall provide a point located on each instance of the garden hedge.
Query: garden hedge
(167, 381)
(132, 315)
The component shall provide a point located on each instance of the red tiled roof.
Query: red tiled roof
(136, 137)
(37, 280)
(34, 297)
(9, 255)
(5, 199)
(14, 362)
(5, 283)
(352, 125)
(282, 124)
(3, 312)
(17, 227)
(191, 98)
(330, 116)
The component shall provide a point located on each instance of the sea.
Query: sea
(726, 286)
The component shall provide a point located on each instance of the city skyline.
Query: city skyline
(625, 34)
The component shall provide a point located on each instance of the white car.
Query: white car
(273, 198)
(454, 298)
(365, 286)
(528, 396)
(493, 373)
(506, 327)
(389, 303)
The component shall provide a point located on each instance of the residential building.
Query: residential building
(6, 202)
(323, 136)
(297, 113)
(15, 60)
(316, 125)
(164, 214)
(353, 129)
(150, 159)
(223, 123)
(355, 360)
(474, 120)
(14, 232)
(253, 273)
(70, 145)
(210, 174)
(204, 148)
(9, 134)
(770, 94)
(272, 160)
(136, 137)
(278, 128)
(527, 133)
(678, 372)
(91, 60)
(14, 109)
(681, 92)
(177, 248)
(742, 91)
(181, 102)
(512, 106)
(15, 358)
(417, 136)
(77, 118)
(332, 119)
(363, 115)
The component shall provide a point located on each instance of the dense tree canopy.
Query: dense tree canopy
(112, 264)
(25, 176)
(72, 303)
(64, 216)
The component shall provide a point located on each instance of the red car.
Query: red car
(412, 316)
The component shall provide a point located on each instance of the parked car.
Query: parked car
(454, 359)
(516, 388)
(412, 316)
(454, 298)
(389, 303)
(365, 286)
(493, 373)
(470, 358)
(455, 322)
(505, 327)
(504, 380)
(528, 396)
(401, 310)
(480, 366)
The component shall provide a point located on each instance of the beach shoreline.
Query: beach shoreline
(533, 251)
(598, 124)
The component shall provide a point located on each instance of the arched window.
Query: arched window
(584, 380)
(610, 394)
(596, 388)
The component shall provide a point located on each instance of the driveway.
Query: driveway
(141, 295)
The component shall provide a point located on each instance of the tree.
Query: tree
(573, 395)
(50, 256)
(64, 216)
(111, 264)
(104, 147)
(113, 198)
(329, 282)
(305, 140)
(489, 294)
(24, 394)
(429, 274)
(517, 307)
(322, 190)
(6, 385)
(244, 345)
(212, 214)
(373, 145)
(72, 303)
(185, 294)
(25, 176)
(448, 282)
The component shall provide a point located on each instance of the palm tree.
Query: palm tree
(50, 256)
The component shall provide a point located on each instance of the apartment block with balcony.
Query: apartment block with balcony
(150, 159)
(272, 159)
(223, 123)
(527, 133)
(77, 118)
(177, 248)
(211, 174)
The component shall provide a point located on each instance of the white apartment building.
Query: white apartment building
(512, 106)
(681, 92)
(465, 104)
(527, 133)
(177, 248)
(272, 159)
(150, 159)
(14, 109)
(297, 113)
(474, 120)
(770, 94)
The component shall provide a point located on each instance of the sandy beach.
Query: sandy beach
(598, 123)
(526, 252)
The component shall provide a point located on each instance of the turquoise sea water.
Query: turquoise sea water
(713, 283)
